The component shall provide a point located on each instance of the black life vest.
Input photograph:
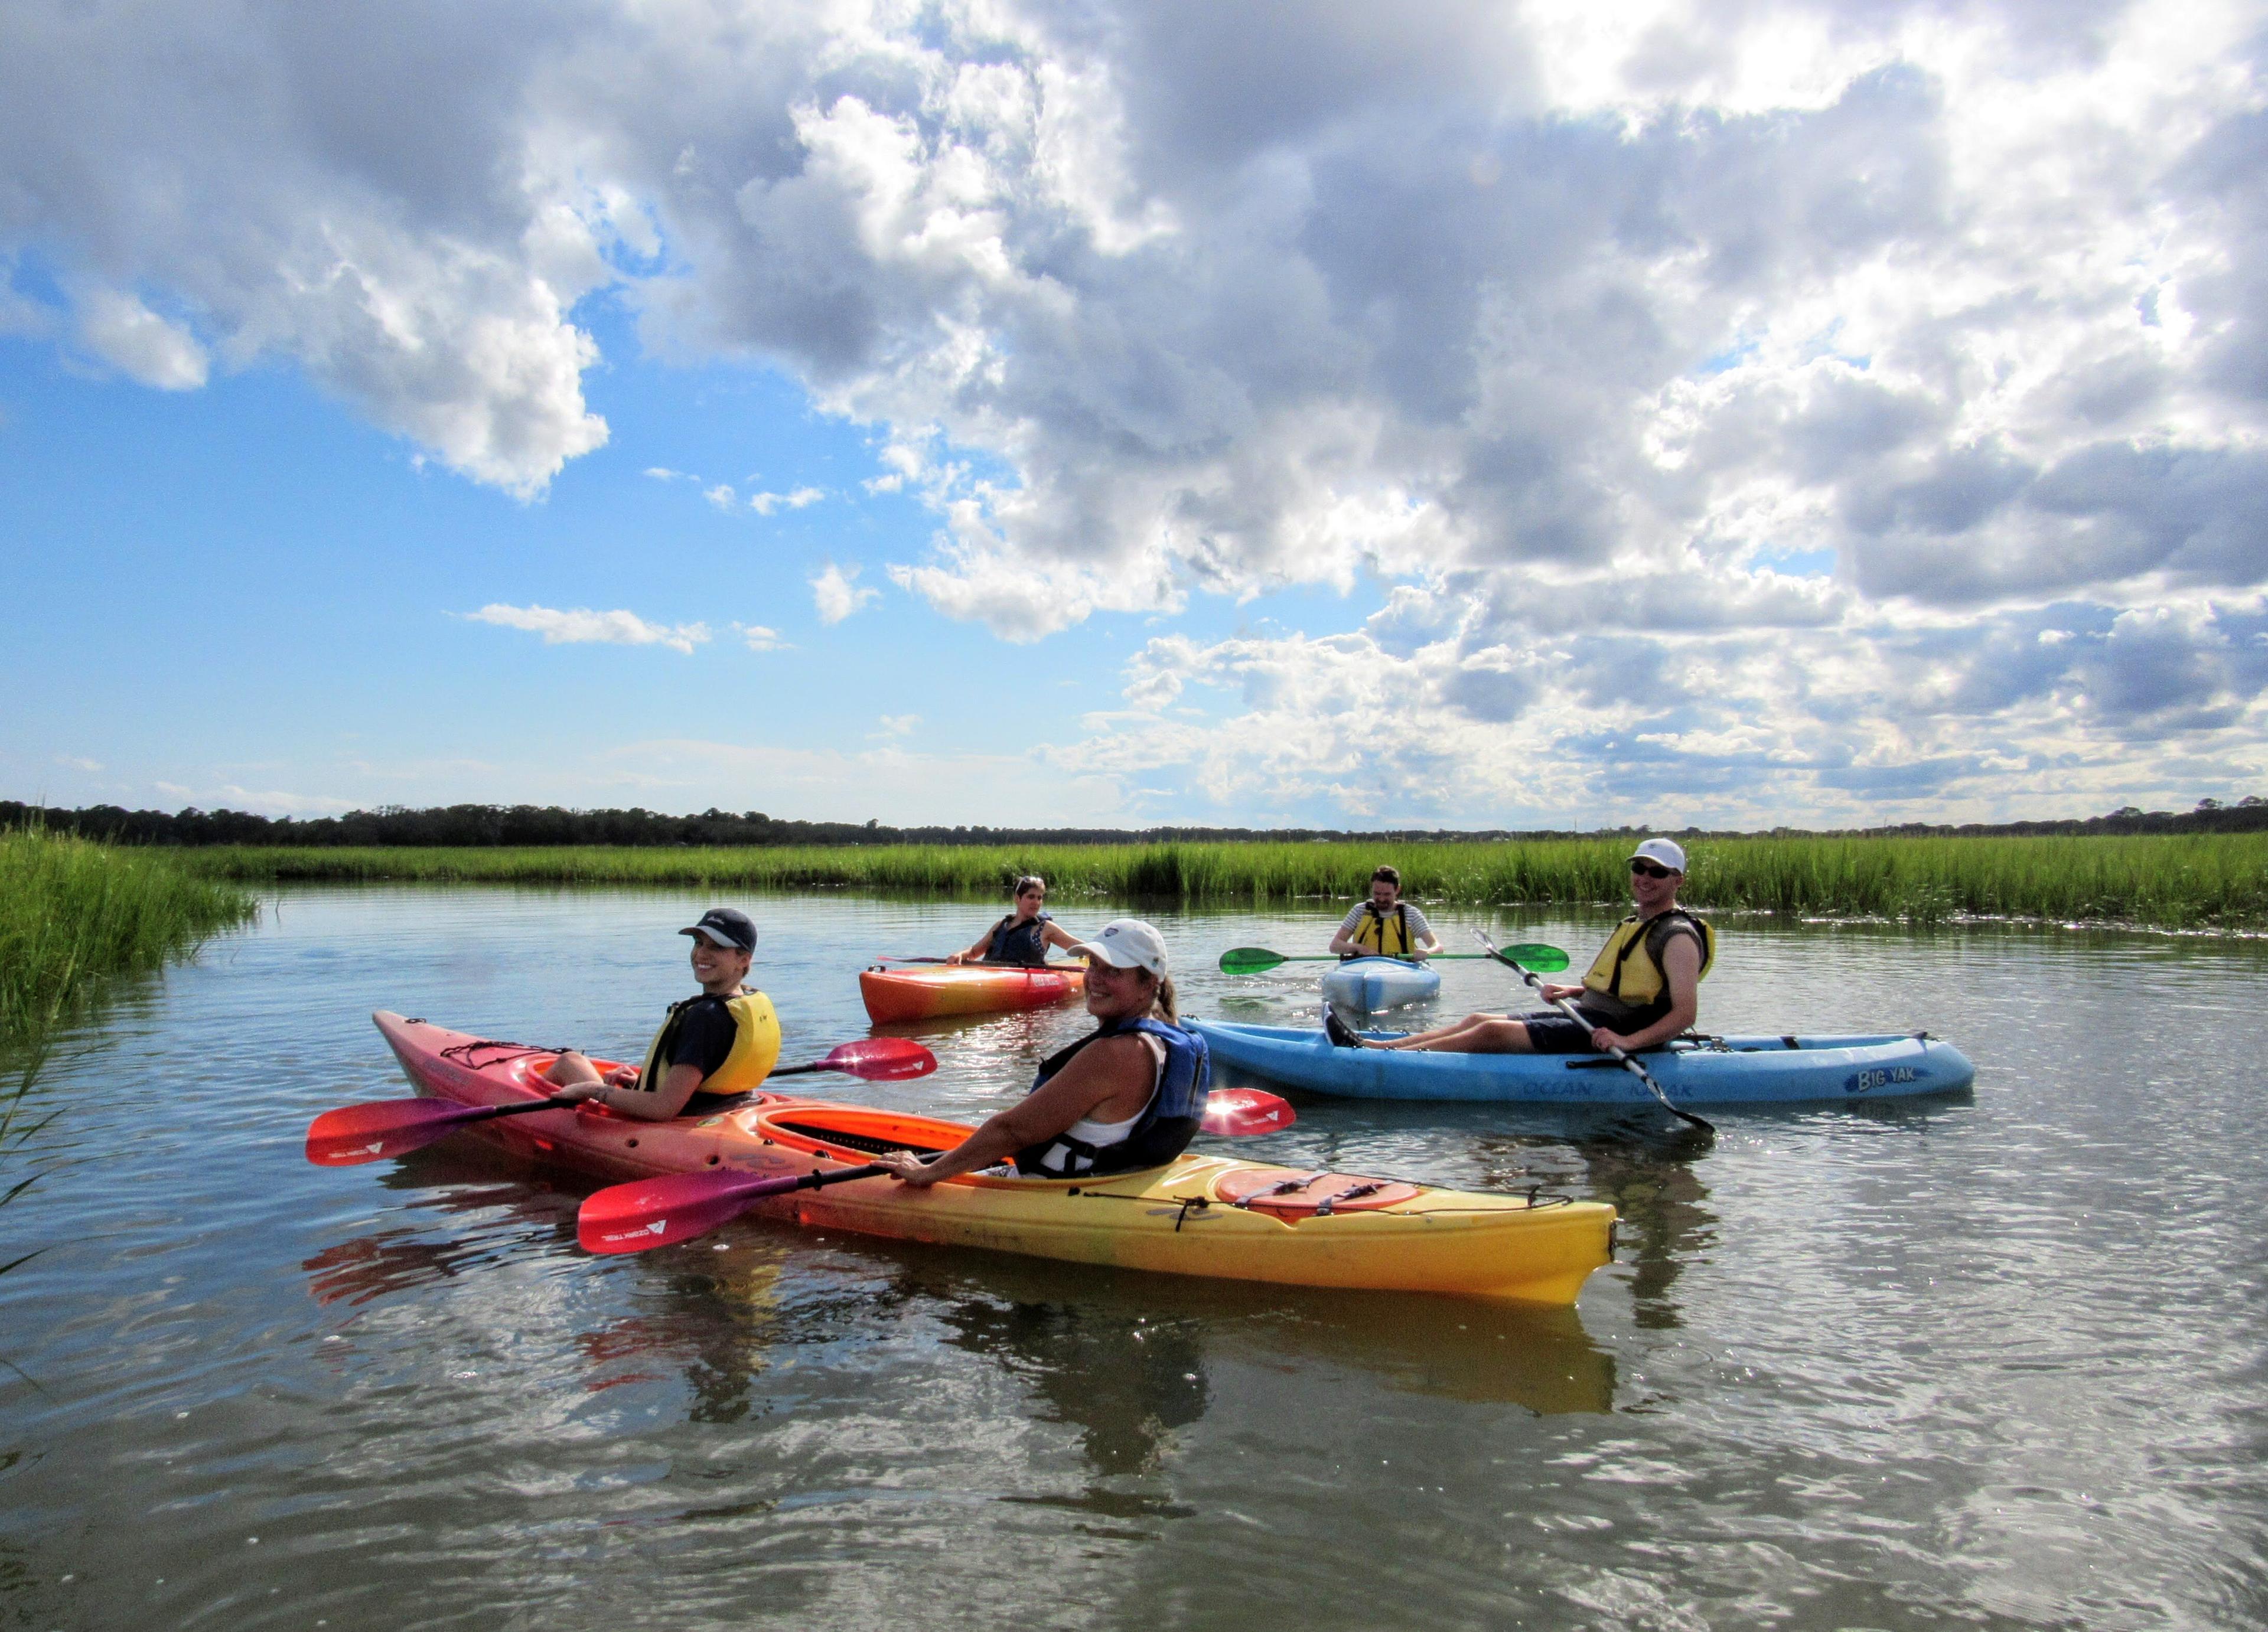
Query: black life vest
(1375, 938)
(1023, 944)
(1167, 1124)
(1628, 967)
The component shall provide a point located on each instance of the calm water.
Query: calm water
(1991, 1362)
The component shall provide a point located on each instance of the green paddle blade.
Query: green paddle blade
(1537, 956)
(1249, 959)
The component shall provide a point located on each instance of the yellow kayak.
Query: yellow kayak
(1202, 1215)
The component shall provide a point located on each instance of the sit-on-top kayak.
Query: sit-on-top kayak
(1200, 1215)
(925, 993)
(1725, 1070)
(1371, 984)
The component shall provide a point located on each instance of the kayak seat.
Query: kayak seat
(867, 1143)
(852, 1130)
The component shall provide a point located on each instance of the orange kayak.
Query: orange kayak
(1200, 1215)
(933, 989)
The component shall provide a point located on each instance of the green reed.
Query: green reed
(73, 912)
(2213, 880)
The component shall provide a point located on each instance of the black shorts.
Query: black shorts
(1550, 1032)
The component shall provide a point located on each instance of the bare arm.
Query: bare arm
(974, 954)
(1111, 1080)
(677, 1087)
(1681, 968)
(1053, 934)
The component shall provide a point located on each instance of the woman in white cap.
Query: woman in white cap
(1642, 989)
(1127, 1096)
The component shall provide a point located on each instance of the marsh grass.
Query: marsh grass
(74, 913)
(2187, 881)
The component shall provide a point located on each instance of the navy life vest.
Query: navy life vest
(1019, 942)
(1167, 1124)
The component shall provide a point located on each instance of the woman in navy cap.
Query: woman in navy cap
(721, 1042)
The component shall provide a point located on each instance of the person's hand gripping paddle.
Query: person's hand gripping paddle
(1629, 1063)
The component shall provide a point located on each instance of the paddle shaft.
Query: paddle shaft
(489, 1111)
(1260, 960)
(1624, 1059)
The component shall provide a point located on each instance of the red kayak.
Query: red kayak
(925, 992)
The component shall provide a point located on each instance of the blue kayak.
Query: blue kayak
(1725, 1071)
(1371, 984)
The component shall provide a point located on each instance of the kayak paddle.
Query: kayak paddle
(370, 1133)
(1509, 956)
(872, 1059)
(1256, 959)
(1236, 1112)
(661, 1212)
(355, 1134)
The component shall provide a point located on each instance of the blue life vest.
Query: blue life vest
(1167, 1124)
(1019, 942)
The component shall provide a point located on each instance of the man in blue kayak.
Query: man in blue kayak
(1642, 989)
(1385, 925)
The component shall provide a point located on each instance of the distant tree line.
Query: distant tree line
(477, 825)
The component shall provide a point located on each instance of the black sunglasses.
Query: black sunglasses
(1648, 869)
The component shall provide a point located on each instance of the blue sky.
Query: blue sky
(1513, 416)
(249, 598)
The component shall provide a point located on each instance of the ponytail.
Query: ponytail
(1164, 1006)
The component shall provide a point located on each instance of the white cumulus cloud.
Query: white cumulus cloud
(582, 626)
(765, 503)
(836, 596)
(125, 334)
(1877, 382)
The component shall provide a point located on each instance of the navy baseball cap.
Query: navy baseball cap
(727, 927)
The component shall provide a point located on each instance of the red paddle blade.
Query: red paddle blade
(1241, 1111)
(882, 1058)
(660, 1212)
(370, 1133)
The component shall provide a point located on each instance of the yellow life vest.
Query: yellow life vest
(1627, 966)
(756, 1045)
(1374, 935)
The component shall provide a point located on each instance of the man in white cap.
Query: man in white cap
(1642, 989)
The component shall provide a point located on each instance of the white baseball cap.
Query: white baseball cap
(1127, 943)
(1662, 852)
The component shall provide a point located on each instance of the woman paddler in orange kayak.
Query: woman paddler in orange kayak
(1127, 1096)
(1025, 934)
(721, 1042)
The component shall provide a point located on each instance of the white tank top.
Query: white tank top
(1091, 1132)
